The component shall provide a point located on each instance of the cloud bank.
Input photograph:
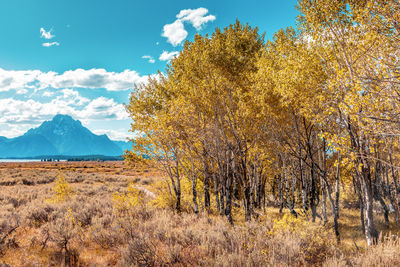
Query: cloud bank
(21, 115)
(38, 96)
(80, 78)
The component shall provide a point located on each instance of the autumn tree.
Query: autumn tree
(309, 111)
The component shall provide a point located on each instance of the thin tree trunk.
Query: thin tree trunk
(228, 197)
(337, 188)
(303, 181)
(280, 191)
(335, 215)
(378, 197)
(371, 233)
(323, 192)
(313, 195)
(288, 198)
(247, 203)
(194, 192)
(207, 190)
(396, 192)
(216, 192)
(222, 196)
(361, 203)
(377, 192)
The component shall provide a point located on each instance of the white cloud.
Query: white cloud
(48, 93)
(119, 134)
(149, 58)
(62, 97)
(197, 17)
(51, 44)
(167, 56)
(22, 91)
(92, 79)
(176, 33)
(103, 108)
(18, 115)
(10, 79)
(14, 130)
(46, 35)
(72, 97)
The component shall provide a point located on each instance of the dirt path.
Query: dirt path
(146, 191)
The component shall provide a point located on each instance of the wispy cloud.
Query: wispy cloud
(176, 33)
(167, 56)
(51, 44)
(46, 34)
(149, 58)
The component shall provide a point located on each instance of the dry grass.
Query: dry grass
(44, 227)
(88, 229)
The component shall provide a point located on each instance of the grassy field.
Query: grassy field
(112, 215)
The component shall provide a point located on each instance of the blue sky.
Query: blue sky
(83, 57)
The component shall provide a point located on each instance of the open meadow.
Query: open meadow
(104, 214)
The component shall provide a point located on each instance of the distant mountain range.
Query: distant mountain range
(62, 136)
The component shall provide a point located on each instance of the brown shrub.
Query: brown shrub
(385, 253)
(8, 227)
(142, 234)
(139, 252)
(39, 214)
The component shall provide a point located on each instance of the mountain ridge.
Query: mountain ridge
(61, 136)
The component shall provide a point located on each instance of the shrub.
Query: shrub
(165, 197)
(385, 253)
(39, 214)
(139, 252)
(8, 226)
(105, 234)
(62, 232)
(302, 239)
(17, 202)
(123, 202)
(61, 191)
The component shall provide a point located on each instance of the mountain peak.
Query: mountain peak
(70, 137)
(61, 135)
(62, 118)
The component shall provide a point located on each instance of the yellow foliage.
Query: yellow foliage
(166, 197)
(122, 202)
(316, 241)
(61, 191)
(72, 218)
